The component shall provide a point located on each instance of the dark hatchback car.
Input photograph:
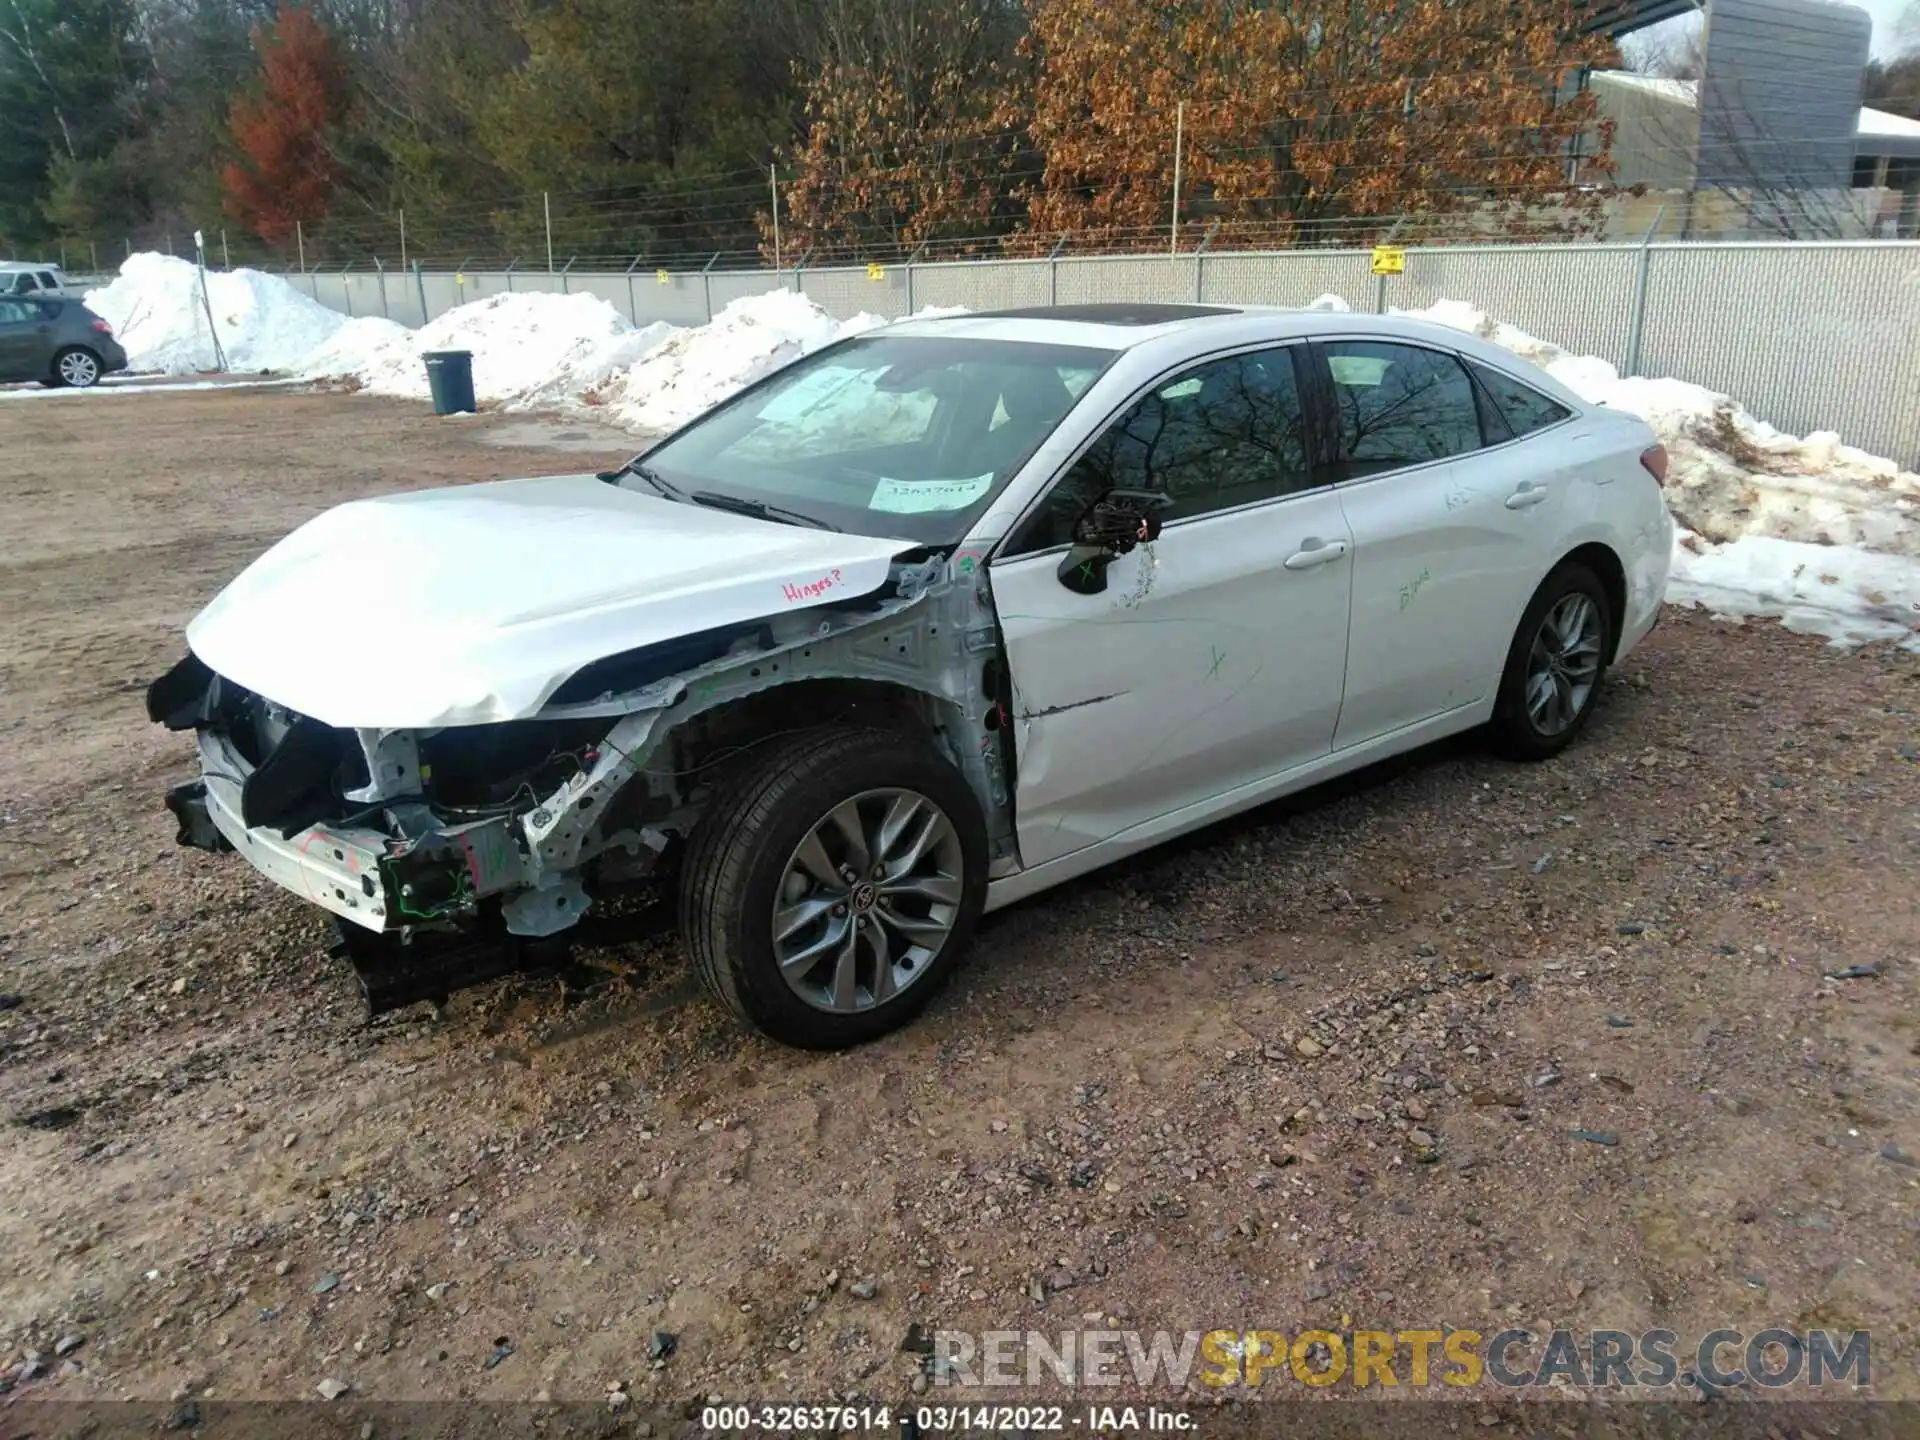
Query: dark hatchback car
(56, 340)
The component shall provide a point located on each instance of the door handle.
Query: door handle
(1528, 494)
(1314, 552)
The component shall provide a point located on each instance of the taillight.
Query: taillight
(1655, 462)
(103, 327)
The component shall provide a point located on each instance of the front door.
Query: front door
(1216, 655)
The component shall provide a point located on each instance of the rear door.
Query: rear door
(1454, 524)
(23, 341)
(1215, 657)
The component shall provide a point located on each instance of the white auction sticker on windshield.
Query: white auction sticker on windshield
(914, 497)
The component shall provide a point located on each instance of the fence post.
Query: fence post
(346, 287)
(565, 287)
(510, 264)
(1380, 281)
(773, 189)
(1200, 265)
(420, 285)
(1643, 262)
(799, 269)
(633, 304)
(546, 209)
(917, 250)
(706, 283)
(380, 270)
(226, 260)
(300, 237)
(1053, 271)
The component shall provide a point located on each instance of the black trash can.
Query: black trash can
(450, 378)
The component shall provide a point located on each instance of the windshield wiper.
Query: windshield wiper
(646, 473)
(758, 509)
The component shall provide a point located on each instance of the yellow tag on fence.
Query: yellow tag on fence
(662, 278)
(1389, 260)
(459, 279)
(876, 272)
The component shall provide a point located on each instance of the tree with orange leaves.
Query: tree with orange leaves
(287, 169)
(901, 142)
(1315, 120)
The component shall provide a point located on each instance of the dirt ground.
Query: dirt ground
(1454, 1044)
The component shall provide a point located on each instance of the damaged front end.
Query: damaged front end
(456, 855)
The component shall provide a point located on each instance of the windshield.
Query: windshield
(896, 436)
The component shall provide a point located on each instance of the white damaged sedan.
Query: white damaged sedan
(925, 622)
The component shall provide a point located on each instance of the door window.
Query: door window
(47, 282)
(1224, 434)
(18, 312)
(1398, 405)
(1523, 408)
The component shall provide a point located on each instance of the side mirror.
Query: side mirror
(1106, 530)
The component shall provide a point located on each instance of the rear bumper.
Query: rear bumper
(113, 358)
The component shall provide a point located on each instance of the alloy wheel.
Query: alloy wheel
(79, 369)
(867, 899)
(1564, 663)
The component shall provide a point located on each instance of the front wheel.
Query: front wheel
(76, 368)
(1554, 666)
(832, 884)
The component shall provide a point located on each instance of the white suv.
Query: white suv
(20, 277)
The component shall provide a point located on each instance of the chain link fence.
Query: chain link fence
(1809, 335)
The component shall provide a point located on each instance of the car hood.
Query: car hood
(472, 604)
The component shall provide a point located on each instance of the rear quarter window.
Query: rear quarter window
(1524, 408)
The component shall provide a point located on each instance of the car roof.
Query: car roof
(29, 265)
(1172, 332)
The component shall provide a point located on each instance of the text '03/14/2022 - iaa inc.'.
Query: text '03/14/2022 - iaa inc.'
(926, 622)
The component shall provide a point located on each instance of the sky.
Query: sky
(1886, 22)
(1887, 36)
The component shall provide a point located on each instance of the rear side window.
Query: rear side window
(47, 282)
(1521, 406)
(1398, 405)
(17, 312)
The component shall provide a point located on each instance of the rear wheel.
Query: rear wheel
(832, 885)
(1554, 666)
(77, 368)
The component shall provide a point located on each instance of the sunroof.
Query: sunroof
(1120, 313)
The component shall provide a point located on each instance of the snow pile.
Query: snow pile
(159, 314)
(524, 344)
(1851, 596)
(1807, 528)
(539, 351)
(353, 347)
(695, 369)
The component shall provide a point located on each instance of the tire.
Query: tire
(744, 860)
(76, 368)
(1527, 723)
